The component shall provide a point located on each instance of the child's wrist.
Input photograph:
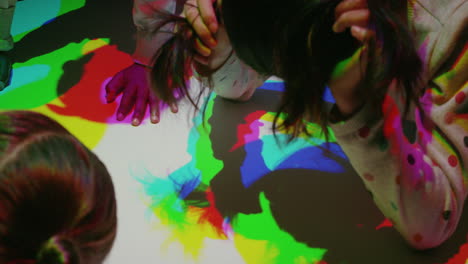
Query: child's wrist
(223, 62)
(137, 62)
(202, 70)
(343, 111)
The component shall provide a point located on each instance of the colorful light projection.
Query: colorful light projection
(184, 200)
(24, 22)
(35, 86)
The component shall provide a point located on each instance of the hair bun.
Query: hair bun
(58, 250)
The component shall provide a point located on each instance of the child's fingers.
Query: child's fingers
(348, 5)
(154, 108)
(173, 107)
(208, 15)
(193, 16)
(141, 104)
(201, 48)
(359, 17)
(201, 59)
(361, 34)
(115, 87)
(127, 102)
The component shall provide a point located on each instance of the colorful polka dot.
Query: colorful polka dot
(368, 176)
(460, 97)
(411, 159)
(465, 140)
(383, 145)
(446, 214)
(364, 132)
(453, 161)
(449, 117)
(417, 238)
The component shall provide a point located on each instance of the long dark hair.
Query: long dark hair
(173, 62)
(294, 40)
(57, 200)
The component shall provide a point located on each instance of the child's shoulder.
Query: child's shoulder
(437, 26)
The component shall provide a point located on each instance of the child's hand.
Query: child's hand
(133, 83)
(344, 81)
(348, 74)
(201, 14)
(355, 15)
(212, 42)
(220, 53)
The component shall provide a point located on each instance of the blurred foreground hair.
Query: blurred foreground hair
(57, 200)
(173, 63)
(294, 40)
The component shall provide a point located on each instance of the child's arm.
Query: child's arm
(133, 81)
(416, 167)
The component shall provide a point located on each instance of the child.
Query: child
(401, 108)
(57, 200)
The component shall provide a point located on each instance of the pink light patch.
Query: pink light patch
(385, 223)
(250, 131)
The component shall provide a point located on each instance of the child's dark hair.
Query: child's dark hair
(57, 200)
(173, 61)
(294, 40)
